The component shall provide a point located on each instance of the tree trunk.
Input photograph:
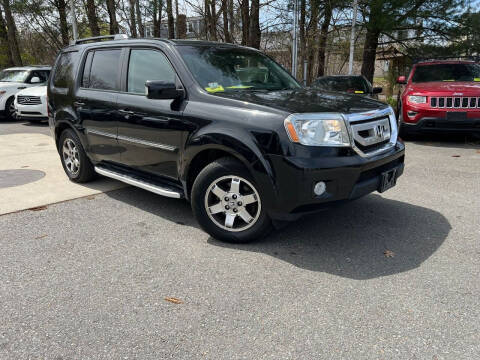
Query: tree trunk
(312, 35)
(231, 20)
(226, 32)
(132, 23)
(176, 21)
(254, 36)
(155, 18)
(5, 45)
(322, 41)
(92, 18)
(12, 34)
(213, 21)
(182, 26)
(62, 13)
(244, 10)
(171, 25)
(370, 53)
(141, 29)
(303, 40)
(112, 17)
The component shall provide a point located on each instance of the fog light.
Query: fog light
(319, 188)
(411, 113)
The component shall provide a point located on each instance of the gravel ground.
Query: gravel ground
(391, 276)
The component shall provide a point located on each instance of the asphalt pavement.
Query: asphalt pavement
(129, 275)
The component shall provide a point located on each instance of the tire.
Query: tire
(226, 188)
(75, 162)
(10, 113)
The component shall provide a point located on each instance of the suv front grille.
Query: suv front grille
(462, 102)
(28, 100)
(371, 134)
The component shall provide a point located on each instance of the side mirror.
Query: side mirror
(401, 80)
(157, 89)
(377, 90)
(35, 80)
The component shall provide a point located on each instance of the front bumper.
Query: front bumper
(347, 177)
(435, 124)
(36, 112)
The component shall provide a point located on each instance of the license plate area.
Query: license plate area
(456, 115)
(388, 180)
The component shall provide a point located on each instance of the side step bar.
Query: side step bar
(164, 191)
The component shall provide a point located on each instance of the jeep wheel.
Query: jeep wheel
(227, 203)
(75, 162)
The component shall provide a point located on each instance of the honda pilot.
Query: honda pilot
(223, 126)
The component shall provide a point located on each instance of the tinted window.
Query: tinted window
(64, 72)
(42, 75)
(447, 72)
(86, 70)
(147, 65)
(349, 84)
(104, 70)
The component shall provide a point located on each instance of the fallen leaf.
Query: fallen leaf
(38, 208)
(389, 253)
(174, 300)
(24, 166)
(41, 237)
(455, 155)
(90, 197)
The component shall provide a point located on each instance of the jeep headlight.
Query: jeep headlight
(416, 99)
(326, 129)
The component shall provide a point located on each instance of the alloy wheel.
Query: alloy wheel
(232, 203)
(71, 156)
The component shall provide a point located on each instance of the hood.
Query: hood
(307, 100)
(34, 91)
(9, 84)
(463, 88)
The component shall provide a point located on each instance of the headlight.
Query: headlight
(317, 129)
(417, 99)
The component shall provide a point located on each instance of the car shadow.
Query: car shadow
(445, 140)
(368, 238)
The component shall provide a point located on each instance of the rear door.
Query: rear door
(149, 130)
(96, 101)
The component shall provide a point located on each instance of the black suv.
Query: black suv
(220, 125)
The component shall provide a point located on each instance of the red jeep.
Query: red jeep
(441, 96)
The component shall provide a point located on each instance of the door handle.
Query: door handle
(78, 103)
(126, 112)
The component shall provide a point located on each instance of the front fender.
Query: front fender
(242, 147)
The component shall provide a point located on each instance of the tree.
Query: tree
(12, 34)
(132, 22)
(386, 17)
(141, 29)
(62, 13)
(4, 44)
(322, 39)
(92, 18)
(111, 9)
(244, 10)
(171, 25)
(254, 31)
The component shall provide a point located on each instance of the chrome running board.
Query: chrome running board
(168, 192)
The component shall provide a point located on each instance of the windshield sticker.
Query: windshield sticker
(359, 92)
(449, 80)
(239, 87)
(214, 87)
(476, 79)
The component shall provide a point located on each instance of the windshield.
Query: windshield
(14, 75)
(446, 72)
(223, 69)
(350, 84)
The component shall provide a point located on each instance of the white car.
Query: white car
(12, 80)
(31, 104)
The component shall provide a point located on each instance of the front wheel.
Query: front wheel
(10, 112)
(228, 204)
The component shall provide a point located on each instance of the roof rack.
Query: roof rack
(453, 58)
(99, 38)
